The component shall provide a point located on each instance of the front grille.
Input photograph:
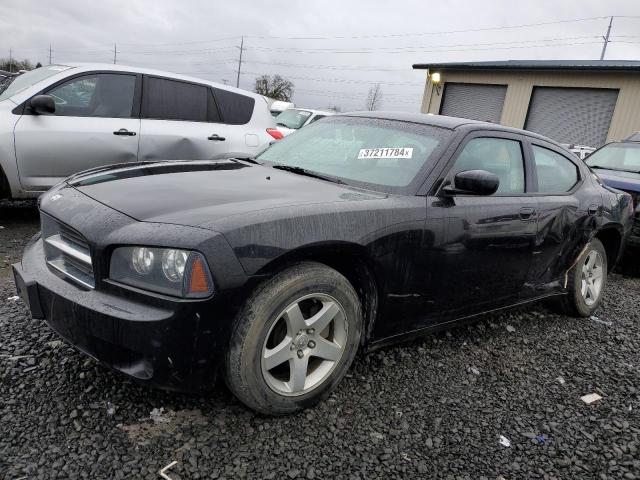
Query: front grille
(67, 252)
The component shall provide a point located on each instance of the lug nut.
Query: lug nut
(310, 331)
(300, 354)
(312, 344)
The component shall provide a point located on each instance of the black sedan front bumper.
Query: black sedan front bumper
(170, 343)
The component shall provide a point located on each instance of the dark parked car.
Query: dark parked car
(618, 165)
(358, 231)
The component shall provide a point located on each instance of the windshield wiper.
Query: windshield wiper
(308, 173)
(281, 125)
(247, 159)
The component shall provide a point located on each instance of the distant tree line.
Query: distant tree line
(15, 65)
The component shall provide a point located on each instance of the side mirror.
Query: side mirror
(475, 182)
(43, 105)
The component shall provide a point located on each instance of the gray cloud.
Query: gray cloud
(200, 38)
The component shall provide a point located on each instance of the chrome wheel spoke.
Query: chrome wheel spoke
(278, 355)
(298, 375)
(591, 291)
(596, 273)
(321, 319)
(295, 320)
(327, 350)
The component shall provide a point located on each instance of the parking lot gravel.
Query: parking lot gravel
(434, 408)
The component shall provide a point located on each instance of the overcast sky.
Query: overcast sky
(333, 50)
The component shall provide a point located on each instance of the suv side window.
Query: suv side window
(236, 109)
(165, 99)
(556, 174)
(107, 95)
(500, 156)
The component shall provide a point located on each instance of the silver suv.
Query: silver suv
(61, 119)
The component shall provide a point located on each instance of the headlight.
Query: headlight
(181, 273)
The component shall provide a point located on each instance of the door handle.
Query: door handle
(124, 132)
(593, 210)
(527, 213)
(216, 138)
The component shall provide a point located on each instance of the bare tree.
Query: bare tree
(14, 65)
(374, 98)
(274, 87)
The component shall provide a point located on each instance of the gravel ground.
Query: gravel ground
(429, 409)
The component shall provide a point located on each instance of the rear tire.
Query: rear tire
(277, 362)
(586, 283)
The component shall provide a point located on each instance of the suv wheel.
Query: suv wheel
(294, 339)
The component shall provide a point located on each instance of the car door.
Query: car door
(486, 249)
(181, 121)
(95, 123)
(567, 213)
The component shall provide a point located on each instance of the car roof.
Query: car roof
(444, 121)
(160, 73)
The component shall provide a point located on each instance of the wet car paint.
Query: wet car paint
(627, 182)
(428, 259)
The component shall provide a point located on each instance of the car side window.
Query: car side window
(500, 156)
(104, 95)
(166, 99)
(556, 174)
(236, 109)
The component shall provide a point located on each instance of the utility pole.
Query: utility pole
(115, 54)
(49, 54)
(10, 60)
(240, 62)
(606, 39)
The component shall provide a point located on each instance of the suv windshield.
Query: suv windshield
(293, 118)
(385, 155)
(623, 156)
(16, 84)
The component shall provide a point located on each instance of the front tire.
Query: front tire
(586, 282)
(294, 339)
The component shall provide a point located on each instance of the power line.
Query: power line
(440, 32)
(346, 80)
(418, 49)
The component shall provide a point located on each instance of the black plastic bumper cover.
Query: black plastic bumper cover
(171, 344)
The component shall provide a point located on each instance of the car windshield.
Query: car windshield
(16, 84)
(293, 118)
(617, 156)
(385, 155)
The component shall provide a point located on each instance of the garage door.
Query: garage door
(475, 101)
(572, 115)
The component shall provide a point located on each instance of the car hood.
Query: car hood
(197, 193)
(628, 181)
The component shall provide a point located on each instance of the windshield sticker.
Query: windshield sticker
(385, 153)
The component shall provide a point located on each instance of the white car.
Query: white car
(278, 106)
(61, 119)
(294, 118)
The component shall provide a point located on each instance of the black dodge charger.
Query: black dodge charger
(357, 231)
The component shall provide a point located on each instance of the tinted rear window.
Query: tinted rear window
(174, 100)
(236, 109)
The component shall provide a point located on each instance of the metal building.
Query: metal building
(585, 102)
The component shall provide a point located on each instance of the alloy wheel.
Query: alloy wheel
(592, 277)
(304, 344)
